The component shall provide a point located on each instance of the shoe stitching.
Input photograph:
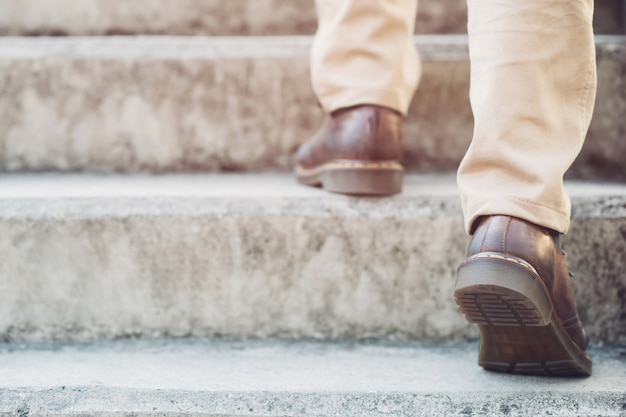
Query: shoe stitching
(380, 165)
(503, 258)
(505, 233)
(482, 244)
(365, 164)
(572, 322)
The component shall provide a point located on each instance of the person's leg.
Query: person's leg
(364, 70)
(363, 53)
(533, 83)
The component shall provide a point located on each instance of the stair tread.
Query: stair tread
(432, 47)
(305, 378)
(225, 185)
(50, 195)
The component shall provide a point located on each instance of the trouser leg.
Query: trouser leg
(363, 53)
(533, 83)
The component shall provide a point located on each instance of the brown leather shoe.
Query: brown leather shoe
(515, 285)
(357, 151)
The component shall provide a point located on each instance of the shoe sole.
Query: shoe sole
(355, 177)
(520, 333)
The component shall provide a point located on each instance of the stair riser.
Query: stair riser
(215, 17)
(90, 402)
(193, 17)
(238, 268)
(140, 113)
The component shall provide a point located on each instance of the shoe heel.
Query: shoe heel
(503, 296)
(500, 290)
(363, 181)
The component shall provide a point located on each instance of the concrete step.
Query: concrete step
(91, 257)
(192, 17)
(186, 104)
(215, 17)
(275, 378)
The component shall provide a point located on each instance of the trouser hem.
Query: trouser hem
(511, 206)
(353, 97)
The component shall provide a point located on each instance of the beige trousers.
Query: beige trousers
(533, 82)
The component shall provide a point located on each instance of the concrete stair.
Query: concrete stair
(164, 104)
(228, 378)
(221, 287)
(215, 17)
(250, 255)
(192, 17)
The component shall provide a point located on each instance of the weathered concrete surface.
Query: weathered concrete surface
(193, 17)
(172, 104)
(273, 378)
(89, 257)
(217, 17)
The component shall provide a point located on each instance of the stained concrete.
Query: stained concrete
(166, 104)
(212, 377)
(193, 17)
(216, 17)
(88, 257)
(234, 104)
